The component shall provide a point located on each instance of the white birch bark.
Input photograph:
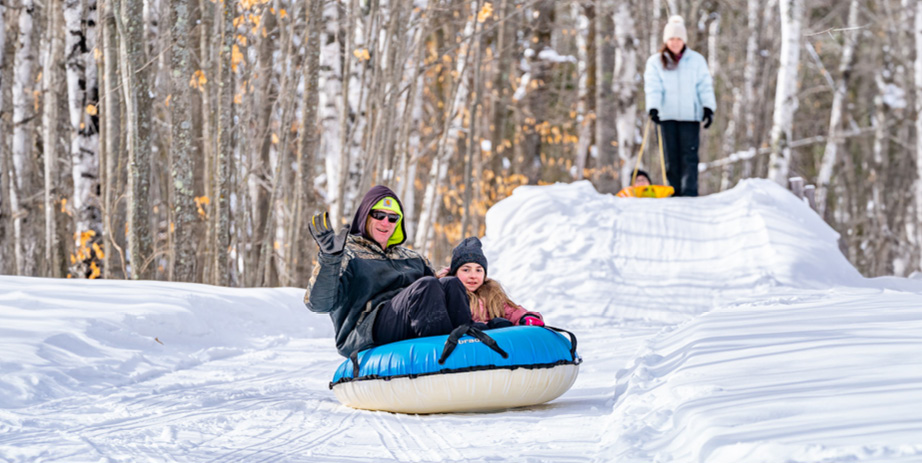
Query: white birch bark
(82, 98)
(330, 103)
(792, 13)
(918, 91)
(23, 111)
(838, 108)
(750, 68)
(626, 82)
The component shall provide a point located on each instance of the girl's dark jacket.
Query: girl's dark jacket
(351, 285)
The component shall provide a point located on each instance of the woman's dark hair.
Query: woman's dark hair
(670, 60)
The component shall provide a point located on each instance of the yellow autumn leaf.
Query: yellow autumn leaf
(242, 40)
(283, 14)
(63, 204)
(362, 54)
(96, 272)
(275, 139)
(236, 57)
(91, 109)
(167, 102)
(198, 80)
(485, 12)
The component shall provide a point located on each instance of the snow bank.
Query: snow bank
(58, 337)
(585, 258)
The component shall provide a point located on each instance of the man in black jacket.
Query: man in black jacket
(375, 290)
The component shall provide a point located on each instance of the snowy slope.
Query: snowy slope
(726, 328)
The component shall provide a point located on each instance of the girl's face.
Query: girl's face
(675, 45)
(381, 230)
(471, 275)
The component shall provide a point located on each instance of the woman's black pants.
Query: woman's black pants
(680, 141)
(428, 307)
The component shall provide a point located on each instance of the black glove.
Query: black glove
(329, 242)
(708, 117)
(654, 114)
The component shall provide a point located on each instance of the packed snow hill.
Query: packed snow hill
(726, 328)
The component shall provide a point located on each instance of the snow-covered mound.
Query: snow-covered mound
(720, 329)
(585, 257)
(58, 337)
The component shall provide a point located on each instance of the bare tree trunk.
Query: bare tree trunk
(300, 256)
(605, 173)
(750, 70)
(24, 230)
(345, 142)
(226, 145)
(330, 101)
(473, 145)
(838, 108)
(792, 13)
(136, 81)
(110, 109)
(918, 91)
(50, 84)
(502, 71)
(82, 92)
(5, 179)
(625, 81)
(183, 149)
(586, 49)
(534, 91)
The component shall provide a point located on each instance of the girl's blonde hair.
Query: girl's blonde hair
(494, 300)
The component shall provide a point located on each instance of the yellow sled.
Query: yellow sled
(648, 191)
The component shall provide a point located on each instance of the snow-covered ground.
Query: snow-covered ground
(726, 328)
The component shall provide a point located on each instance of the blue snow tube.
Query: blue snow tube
(468, 370)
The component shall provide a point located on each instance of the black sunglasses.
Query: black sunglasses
(381, 215)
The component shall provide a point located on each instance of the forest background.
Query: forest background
(192, 140)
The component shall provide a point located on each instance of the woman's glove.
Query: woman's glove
(329, 242)
(531, 320)
(708, 117)
(654, 114)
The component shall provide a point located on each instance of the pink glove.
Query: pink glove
(532, 320)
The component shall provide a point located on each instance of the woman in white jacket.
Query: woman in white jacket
(679, 96)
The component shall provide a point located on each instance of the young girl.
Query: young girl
(489, 303)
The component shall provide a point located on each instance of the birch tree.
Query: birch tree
(791, 14)
(626, 78)
(918, 91)
(82, 102)
(25, 235)
(50, 84)
(833, 140)
(5, 179)
(110, 111)
(136, 81)
(606, 151)
(330, 104)
(183, 149)
(226, 144)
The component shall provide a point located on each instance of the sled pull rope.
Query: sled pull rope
(456, 334)
(643, 144)
(355, 363)
(572, 339)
